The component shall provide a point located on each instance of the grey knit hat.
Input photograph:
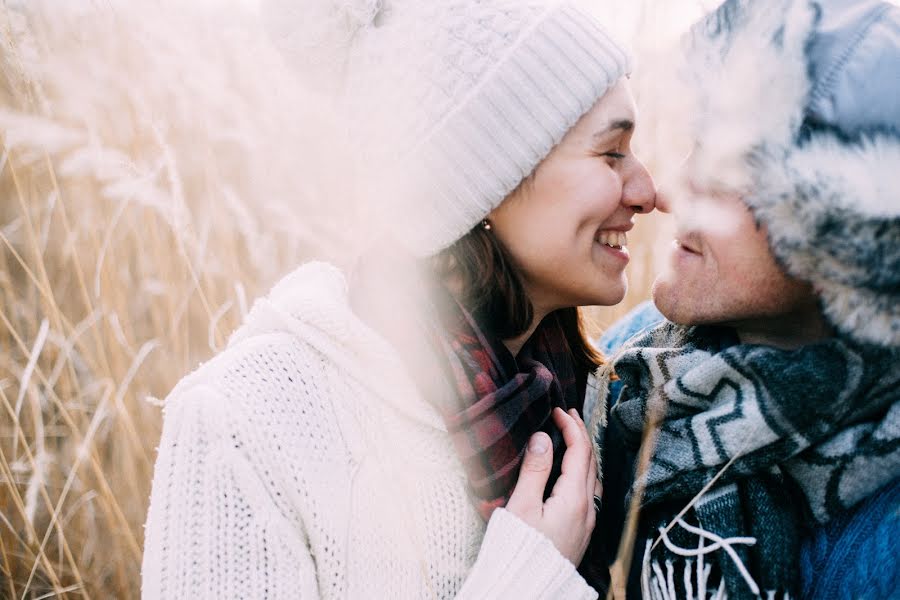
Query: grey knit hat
(807, 95)
(465, 97)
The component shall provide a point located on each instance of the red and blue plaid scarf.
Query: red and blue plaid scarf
(501, 400)
(491, 401)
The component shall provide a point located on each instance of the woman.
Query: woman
(359, 440)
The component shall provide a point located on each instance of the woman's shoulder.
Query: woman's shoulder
(293, 339)
(302, 364)
(285, 372)
(251, 368)
(263, 387)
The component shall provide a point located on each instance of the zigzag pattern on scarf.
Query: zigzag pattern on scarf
(776, 436)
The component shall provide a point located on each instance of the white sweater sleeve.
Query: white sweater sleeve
(214, 530)
(518, 562)
(211, 532)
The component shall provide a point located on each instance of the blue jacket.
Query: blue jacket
(854, 556)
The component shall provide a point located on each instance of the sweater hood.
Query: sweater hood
(313, 304)
(314, 298)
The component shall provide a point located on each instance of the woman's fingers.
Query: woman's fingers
(578, 455)
(535, 471)
(567, 518)
(576, 460)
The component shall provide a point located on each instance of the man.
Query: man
(768, 400)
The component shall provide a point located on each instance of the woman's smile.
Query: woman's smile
(614, 243)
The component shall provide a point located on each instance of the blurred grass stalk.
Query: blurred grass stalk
(155, 179)
(150, 190)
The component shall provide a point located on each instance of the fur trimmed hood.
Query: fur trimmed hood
(799, 101)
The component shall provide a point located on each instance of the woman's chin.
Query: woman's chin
(597, 288)
(610, 293)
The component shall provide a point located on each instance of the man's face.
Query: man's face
(720, 269)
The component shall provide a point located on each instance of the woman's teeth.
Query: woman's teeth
(613, 239)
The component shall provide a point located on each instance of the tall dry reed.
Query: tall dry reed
(150, 185)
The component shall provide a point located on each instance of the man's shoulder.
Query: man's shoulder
(641, 318)
(859, 549)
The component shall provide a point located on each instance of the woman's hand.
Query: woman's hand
(567, 517)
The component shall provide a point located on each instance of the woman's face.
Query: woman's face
(566, 225)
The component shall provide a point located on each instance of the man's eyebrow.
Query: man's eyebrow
(620, 125)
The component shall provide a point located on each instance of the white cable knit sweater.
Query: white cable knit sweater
(302, 462)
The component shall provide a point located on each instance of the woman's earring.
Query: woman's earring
(485, 224)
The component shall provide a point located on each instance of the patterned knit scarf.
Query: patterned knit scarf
(501, 400)
(793, 436)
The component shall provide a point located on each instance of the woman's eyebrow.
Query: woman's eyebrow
(619, 125)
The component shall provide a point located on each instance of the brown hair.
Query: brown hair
(493, 291)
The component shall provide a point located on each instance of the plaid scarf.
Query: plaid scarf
(797, 435)
(499, 401)
(491, 401)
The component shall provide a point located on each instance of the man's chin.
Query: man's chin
(674, 306)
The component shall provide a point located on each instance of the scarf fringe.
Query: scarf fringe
(658, 579)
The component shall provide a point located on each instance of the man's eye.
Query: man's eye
(615, 155)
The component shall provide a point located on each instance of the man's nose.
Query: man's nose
(639, 191)
(663, 200)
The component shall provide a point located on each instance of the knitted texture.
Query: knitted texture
(852, 556)
(858, 551)
(456, 101)
(302, 462)
(785, 434)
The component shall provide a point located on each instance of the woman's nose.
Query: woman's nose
(639, 191)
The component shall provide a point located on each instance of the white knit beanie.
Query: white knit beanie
(463, 97)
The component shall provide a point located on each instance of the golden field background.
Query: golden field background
(154, 179)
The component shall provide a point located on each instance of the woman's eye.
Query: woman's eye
(614, 155)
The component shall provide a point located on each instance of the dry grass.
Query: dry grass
(150, 189)
(149, 192)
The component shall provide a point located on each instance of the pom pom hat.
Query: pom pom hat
(461, 98)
